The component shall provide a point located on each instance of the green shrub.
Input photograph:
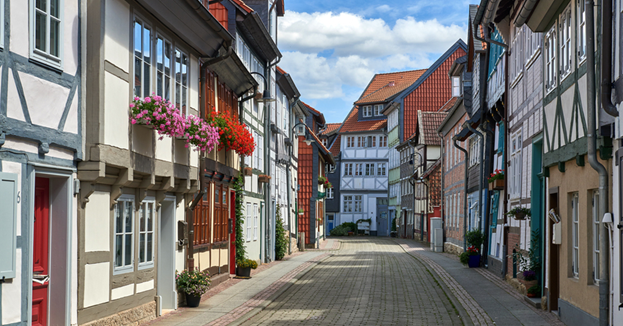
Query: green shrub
(535, 289)
(281, 242)
(244, 263)
(464, 258)
(343, 229)
(475, 238)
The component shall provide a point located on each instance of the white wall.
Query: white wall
(97, 222)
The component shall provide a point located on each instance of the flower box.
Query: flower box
(497, 184)
(263, 178)
(248, 171)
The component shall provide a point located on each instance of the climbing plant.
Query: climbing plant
(241, 252)
(281, 242)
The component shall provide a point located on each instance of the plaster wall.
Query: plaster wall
(19, 37)
(14, 105)
(122, 292)
(97, 222)
(20, 145)
(580, 292)
(70, 36)
(96, 283)
(180, 254)
(164, 149)
(45, 100)
(116, 35)
(116, 103)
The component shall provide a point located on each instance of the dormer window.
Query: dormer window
(367, 111)
(456, 86)
(377, 110)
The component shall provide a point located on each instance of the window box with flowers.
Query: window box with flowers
(322, 180)
(519, 213)
(300, 211)
(496, 180)
(233, 134)
(248, 171)
(263, 178)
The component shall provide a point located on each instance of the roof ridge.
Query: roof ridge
(399, 72)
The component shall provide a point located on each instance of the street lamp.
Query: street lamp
(266, 98)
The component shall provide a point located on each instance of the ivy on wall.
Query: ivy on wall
(241, 251)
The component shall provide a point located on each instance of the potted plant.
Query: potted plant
(534, 291)
(328, 185)
(194, 283)
(244, 266)
(529, 279)
(263, 178)
(248, 171)
(322, 180)
(471, 257)
(519, 212)
(496, 180)
(301, 212)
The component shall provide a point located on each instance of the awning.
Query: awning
(287, 85)
(192, 22)
(231, 71)
(258, 38)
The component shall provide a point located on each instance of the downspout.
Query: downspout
(481, 173)
(488, 213)
(454, 141)
(606, 59)
(604, 286)
(443, 216)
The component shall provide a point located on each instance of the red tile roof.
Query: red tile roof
(243, 6)
(315, 111)
(327, 153)
(330, 127)
(281, 71)
(335, 147)
(384, 86)
(449, 105)
(428, 123)
(351, 124)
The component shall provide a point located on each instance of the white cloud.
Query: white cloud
(383, 8)
(351, 34)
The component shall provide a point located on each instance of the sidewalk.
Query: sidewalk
(245, 296)
(487, 302)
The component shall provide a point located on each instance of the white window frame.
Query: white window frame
(125, 267)
(564, 25)
(44, 56)
(575, 236)
(596, 227)
(248, 221)
(2, 24)
(358, 203)
(330, 193)
(550, 72)
(516, 168)
(149, 261)
(165, 40)
(581, 37)
(381, 169)
(367, 111)
(359, 169)
(145, 25)
(456, 86)
(255, 209)
(348, 204)
(183, 110)
(370, 169)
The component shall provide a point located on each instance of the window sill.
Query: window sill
(146, 266)
(46, 62)
(124, 270)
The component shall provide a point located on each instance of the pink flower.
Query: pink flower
(132, 105)
(133, 121)
(147, 100)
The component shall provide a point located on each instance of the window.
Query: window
(358, 169)
(382, 141)
(456, 86)
(381, 169)
(46, 31)
(348, 203)
(284, 103)
(124, 234)
(369, 168)
(550, 59)
(330, 193)
(248, 221)
(146, 234)
(516, 165)
(575, 236)
(181, 81)
(260, 152)
(371, 141)
(367, 111)
(163, 68)
(581, 30)
(350, 141)
(324, 142)
(378, 109)
(596, 225)
(361, 141)
(348, 169)
(331, 168)
(255, 210)
(2, 24)
(565, 46)
(358, 204)
(142, 59)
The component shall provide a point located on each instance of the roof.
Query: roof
(451, 112)
(478, 46)
(324, 151)
(243, 6)
(449, 105)
(351, 123)
(330, 128)
(384, 86)
(428, 122)
(315, 112)
(431, 169)
(335, 146)
(281, 71)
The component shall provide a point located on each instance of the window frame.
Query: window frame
(125, 267)
(148, 263)
(516, 168)
(2, 24)
(581, 34)
(347, 202)
(330, 193)
(184, 53)
(166, 39)
(564, 25)
(575, 235)
(145, 24)
(381, 167)
(596, 227)
(367, 111)
(43, 57)
(255, 209)
(550, 60)
(249, 216)
(358, 203)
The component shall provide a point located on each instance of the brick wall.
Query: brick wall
(453, 186)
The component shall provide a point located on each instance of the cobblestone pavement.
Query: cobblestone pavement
(369, 281)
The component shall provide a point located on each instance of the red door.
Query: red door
(41, 252)
(232, 236)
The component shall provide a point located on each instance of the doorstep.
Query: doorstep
(535, 302)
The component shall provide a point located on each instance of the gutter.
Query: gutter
(489, 40)
(606, 59)
(210, 20)
(525, 12)
(604, 284)
(454, 141)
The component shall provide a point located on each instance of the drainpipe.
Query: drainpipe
(443, 216)
(488, 213)
(482, 168)
(604, 286)
(606, 59)
(456, 144)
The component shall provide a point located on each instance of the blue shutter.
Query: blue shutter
(8, 220)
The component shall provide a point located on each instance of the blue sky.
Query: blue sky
(332, 48)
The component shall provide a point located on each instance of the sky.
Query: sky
(333, 48)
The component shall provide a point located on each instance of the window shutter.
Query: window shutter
(8, 218)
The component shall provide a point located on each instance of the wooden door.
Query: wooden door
(40, 282)
(554, 258)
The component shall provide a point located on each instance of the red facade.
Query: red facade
(305, 174)
(432, 94)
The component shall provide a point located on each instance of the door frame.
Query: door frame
(56, 173)
(168, 200)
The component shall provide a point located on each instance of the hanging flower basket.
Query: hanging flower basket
(519, 213)
(248, 171)
(263, 178)
(322, 180)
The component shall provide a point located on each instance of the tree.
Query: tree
(281, 241)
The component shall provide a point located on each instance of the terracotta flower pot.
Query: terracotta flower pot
(528, 284)
(532, 295)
